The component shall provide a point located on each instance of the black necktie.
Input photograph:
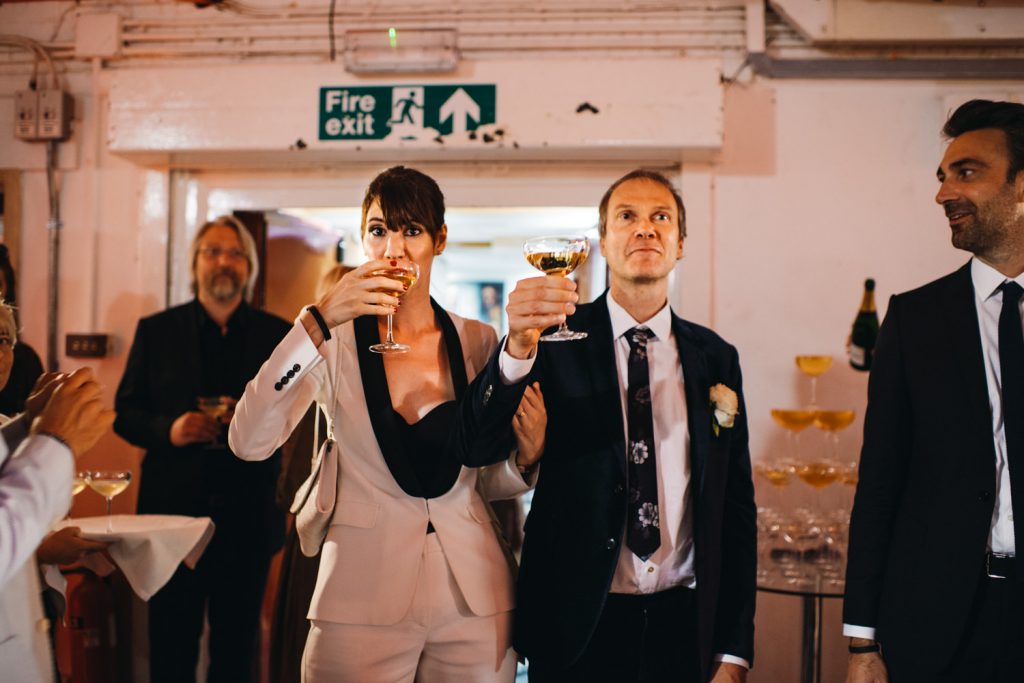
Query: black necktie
(1011, 369)
(643, 528)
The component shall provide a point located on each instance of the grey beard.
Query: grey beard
(223, 287)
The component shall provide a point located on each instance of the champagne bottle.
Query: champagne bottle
(865, 330)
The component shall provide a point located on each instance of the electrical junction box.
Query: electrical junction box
(55, 110)
(26, 115)
(86, 345)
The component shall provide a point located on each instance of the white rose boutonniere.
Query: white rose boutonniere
(725, 406)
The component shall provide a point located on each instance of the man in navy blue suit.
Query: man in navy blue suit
(934, 591)
(640, 553)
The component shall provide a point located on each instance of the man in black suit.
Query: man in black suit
(209, 347)
(640, 551)
(933, 589)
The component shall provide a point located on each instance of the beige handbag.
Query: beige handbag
(313, 505)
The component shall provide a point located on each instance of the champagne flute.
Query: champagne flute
(558, 256)
(214, 407)
(109, 483)
(814, 367)
(406, 273)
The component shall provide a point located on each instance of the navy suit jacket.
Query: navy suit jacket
(577, 520)
(923, 508)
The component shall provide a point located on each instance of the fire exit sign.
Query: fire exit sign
(404, 112)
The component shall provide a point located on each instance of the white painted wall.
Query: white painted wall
(817, 185)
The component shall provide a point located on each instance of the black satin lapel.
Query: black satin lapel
(449, 467)
(965, 338)
(378, 404)
(600, 348)
(695, 379)
(453, 345)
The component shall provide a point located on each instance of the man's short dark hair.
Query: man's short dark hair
(406, 197)
(1005, 116)
(641, 174)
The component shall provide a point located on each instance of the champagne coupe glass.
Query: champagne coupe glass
(558, 256)
(814, 367)
(214, 407)
(794, 422)
(79, 484)
(777, 473)
(406, 273)
(109, 483)
(832, 422)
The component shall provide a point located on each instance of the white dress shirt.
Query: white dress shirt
(671, 564)
(988, 300)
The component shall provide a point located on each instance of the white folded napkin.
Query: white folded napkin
(148, 548)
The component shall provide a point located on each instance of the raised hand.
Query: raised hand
(74, 412)
(356, 294)
(534, 305)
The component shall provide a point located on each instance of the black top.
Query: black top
(25, 370)
(220, 353)
(420, 457)
(427, 441)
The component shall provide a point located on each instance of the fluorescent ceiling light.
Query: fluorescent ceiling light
(397, 50)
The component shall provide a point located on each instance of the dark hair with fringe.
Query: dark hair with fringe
(407, 197)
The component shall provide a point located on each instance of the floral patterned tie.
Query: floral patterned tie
(643, 528)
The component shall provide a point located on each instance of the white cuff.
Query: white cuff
(865, 632)
(732, 659)
(513, 369)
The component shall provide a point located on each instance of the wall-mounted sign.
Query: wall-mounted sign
(404, 112)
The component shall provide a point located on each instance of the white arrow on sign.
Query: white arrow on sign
(460, 108)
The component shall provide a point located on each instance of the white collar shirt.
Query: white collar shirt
(988, 300)
(672, 563)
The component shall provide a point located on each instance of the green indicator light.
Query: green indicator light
(393, 37)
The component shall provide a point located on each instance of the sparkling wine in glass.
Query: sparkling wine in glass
(814, 367)
(406, 273)
(109, 483)
(214, 407)
(794, 422)
(832, 422)
(79, 484)
(558, 256)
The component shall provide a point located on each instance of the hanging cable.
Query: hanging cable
(53, 229)
(330, 27)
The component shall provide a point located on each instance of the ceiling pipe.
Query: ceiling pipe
(939, 69)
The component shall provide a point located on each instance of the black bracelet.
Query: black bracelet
(319, 321)
(864, 649)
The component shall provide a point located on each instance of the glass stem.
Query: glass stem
(391, 339)
(110, 523)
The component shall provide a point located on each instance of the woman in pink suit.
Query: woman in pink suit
(414, 582)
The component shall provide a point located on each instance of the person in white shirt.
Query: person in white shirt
(63, 418)
(933, 589)
(639, 559)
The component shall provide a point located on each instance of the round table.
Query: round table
(812, 596)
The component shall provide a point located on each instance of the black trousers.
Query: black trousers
(639, 639)
(228, 583)
(992, 647)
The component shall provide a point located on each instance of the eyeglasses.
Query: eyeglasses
(214, 253)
